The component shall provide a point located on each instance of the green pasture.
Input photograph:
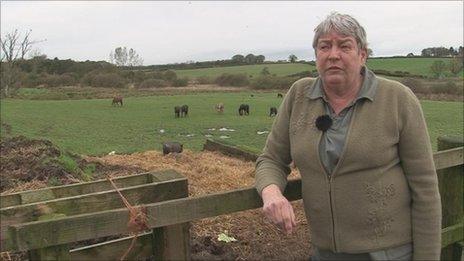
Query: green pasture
(417, 66)
(94, 127)
(254, 70)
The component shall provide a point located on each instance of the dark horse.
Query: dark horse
(177, 111)
(184, 110)
(273, 111)
(117, 100)
(244, 109)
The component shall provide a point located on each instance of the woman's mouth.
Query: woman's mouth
(333, 68)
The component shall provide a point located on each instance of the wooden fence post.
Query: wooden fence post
(172, 242)
(451, 184)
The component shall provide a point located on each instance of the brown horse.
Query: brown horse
(177, 111)
(117, 100)
(219, 107)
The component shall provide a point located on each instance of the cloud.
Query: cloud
(167, 32)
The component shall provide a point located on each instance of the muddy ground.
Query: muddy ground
(31, 164)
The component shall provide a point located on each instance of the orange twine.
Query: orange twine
(138, 221)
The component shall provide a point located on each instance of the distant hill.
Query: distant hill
(412, 66)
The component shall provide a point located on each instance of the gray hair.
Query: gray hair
(343, 24)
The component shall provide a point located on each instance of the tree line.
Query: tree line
(237, 59)
(442, 52)
(21, 66)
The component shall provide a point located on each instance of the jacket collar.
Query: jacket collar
(367, 91)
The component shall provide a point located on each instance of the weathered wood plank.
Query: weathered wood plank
(451, 185)
(212, 145)
(113, 222)
(95, 202)
(110, 199)
(165, 175)
(31, 196)
(7, 200)
(115, 249)
(452, 234)
(449, 158)
(58, 252)
(172, 242)
(460, 248)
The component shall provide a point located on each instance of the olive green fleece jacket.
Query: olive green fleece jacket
(383, 192)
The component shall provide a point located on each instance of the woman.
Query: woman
(360, 142)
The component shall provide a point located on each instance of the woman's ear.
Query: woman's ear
(363, 54)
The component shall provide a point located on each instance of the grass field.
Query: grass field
(93, 127)
(254, 70)
(419, 66)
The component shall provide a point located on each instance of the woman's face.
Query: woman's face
(339, 59)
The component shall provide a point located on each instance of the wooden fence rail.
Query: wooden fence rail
(29, 235)
(146, 188)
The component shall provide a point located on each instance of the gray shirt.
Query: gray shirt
(333, 140)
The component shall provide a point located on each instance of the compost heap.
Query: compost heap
(32, 164)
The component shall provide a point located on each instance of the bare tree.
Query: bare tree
(13, 47)
(9, 46)
(121, 57)
(133, 58)
(26, 44)
(111, 57)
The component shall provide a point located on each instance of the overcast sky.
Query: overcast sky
(169, 32)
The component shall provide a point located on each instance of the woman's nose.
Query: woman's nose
(334, 52)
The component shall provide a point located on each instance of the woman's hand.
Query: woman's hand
(278, 209)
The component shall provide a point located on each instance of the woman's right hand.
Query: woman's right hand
(277, 208)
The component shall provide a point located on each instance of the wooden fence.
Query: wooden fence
(86, 199)
(229, 150)
(47, 222)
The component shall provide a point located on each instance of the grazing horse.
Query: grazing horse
(244, 109)
(177, 111)
(172, 147)
(279, 95)
(273, 111)
(117, 100)
(184, 110)
(219, 107)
